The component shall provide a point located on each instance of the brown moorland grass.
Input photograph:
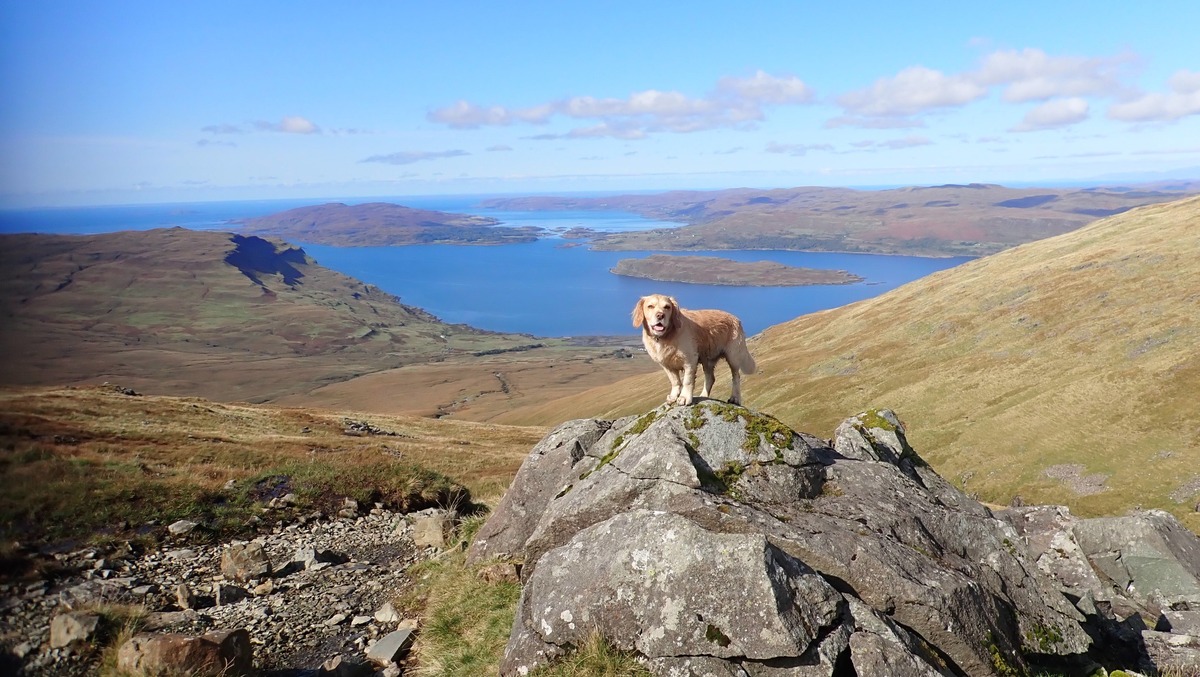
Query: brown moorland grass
(1062, 371)
(80, 461)
(210, 314)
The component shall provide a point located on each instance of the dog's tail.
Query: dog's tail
(740, 357)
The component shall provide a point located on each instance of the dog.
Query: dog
(679, 340)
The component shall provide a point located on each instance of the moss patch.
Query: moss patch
(1044, 637)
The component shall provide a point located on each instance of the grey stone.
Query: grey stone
(244, 562)
(74, 627)
(1169, 653)
(391, 647)
(387, 614)
(432, 528)
(181, 527)
(1149, 555)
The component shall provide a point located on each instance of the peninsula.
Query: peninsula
(383, 224)
(716, 270)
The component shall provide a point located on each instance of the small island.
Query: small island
(715, 270)
(382, 224)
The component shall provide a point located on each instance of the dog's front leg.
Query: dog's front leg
(673, 377)
(689, 383)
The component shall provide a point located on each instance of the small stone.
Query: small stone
(359, 620)
(72, 627)
(181, 527)
(228, 594)
(242, 562)
(335, 619)
(263, 588)
(387, 614)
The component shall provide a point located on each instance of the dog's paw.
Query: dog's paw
(684, 400)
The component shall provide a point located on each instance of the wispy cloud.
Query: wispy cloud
(498, 148)
(796, 149)
(215, 142)
(1181, 101)
(873, 123)
(409, 157)
(893, 144)
(734, 102)
(290, 124)
(1054, 114)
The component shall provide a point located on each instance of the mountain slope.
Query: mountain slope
(223, 316)
(1060, 371)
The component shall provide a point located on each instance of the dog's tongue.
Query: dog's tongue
(659, 327)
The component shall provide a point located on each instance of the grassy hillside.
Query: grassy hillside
(222, 316)
(78, 461)
(1061, 371)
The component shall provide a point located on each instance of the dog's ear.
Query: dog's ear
(639, 315)
(674, 303)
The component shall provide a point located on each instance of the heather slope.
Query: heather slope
(223, 316)
(1060, 371)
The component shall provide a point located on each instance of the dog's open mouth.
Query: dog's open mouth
(658, 327)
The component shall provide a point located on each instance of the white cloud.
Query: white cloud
(1182, 101)
(734, 102)
(1054, 114)
(1033, 75)
(409, 157)
(765, 88)
(1021, 75)
(911, 91)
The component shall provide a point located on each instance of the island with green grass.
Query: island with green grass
(721, 271)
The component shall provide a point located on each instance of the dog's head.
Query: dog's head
(656, 313)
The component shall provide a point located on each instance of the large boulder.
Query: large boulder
(225, 653)
(711, 539)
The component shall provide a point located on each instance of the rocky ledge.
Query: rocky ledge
(312, 598)
(714, 540)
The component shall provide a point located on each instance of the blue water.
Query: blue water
(544, 288)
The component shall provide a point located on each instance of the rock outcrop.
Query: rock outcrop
(713, 540)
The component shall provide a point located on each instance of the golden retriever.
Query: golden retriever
(679, 340)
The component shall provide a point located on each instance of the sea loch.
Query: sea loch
(552, 287)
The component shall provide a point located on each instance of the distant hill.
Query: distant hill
(378, 224)
(1060, 371)
(229, 317)
(949, 220)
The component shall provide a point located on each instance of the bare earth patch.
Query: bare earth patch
(1071, 474)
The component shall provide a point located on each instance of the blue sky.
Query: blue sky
(131, 101)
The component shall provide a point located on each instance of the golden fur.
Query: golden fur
(679, 340)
